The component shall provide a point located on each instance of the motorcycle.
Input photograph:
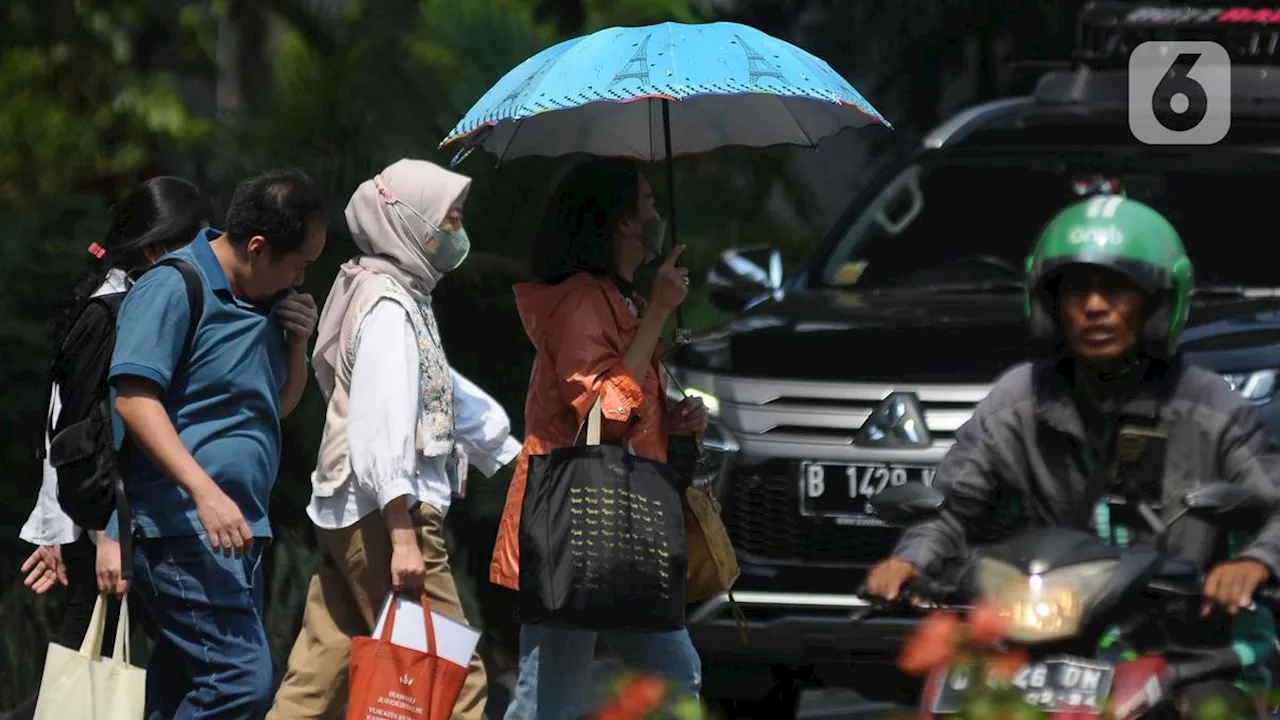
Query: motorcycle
(1061, 590)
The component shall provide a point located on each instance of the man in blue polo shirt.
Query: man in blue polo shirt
(203, 442)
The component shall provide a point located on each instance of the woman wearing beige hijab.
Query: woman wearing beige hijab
(400, 431)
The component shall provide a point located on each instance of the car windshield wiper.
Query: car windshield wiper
(1233, 291)
(991, 286)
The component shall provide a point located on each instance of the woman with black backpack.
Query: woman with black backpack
(159, 216)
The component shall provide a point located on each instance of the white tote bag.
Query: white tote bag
(84, 685)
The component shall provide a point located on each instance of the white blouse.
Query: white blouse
(382, 421)
(48, 524)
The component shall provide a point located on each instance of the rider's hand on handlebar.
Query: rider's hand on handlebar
(888, 576)
(1231, 585)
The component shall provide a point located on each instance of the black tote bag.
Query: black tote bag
(602, 539)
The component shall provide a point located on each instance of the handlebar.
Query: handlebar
(928, 589)
(919, 594)
(1267, 596)
(922, 594)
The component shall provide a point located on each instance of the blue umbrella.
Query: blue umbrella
(610, 94)
(660, 91)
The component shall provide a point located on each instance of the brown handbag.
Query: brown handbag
(712, 565)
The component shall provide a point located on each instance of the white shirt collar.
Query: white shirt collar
(117, 281)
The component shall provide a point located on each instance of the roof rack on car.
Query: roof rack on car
(1096, 78)
(1107, 31)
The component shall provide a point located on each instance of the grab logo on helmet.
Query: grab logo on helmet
(1099, 207)
(1092, 235)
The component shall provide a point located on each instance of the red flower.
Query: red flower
(642, 694)
(986, 626)
(932, 645)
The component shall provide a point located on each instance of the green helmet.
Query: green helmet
(1128, 237)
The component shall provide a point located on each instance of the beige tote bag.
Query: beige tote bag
(84, 685)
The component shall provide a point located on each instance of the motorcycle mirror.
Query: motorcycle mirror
(1227, 504)
(907, 504)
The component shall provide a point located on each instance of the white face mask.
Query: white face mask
(444, 250)
(652, 234)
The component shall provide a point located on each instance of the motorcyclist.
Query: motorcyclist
(1108, 287)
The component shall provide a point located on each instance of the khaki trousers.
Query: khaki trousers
(343, 601)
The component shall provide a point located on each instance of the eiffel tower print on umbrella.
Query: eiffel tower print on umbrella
(660, 91)
(637, 68)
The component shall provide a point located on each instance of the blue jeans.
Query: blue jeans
(211, 659)
(555, 667)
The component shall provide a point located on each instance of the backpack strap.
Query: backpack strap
(124, 523)
(195, 301)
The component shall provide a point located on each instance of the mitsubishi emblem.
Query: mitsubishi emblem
(896, 423)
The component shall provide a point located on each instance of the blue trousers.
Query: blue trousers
(555, 667)
(211, 659)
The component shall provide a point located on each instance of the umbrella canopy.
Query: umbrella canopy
(606, 94)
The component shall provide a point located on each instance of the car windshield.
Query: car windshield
(976, 214)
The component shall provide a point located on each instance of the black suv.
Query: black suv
(855, 373)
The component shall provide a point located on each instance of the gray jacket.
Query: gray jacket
(1026, 447)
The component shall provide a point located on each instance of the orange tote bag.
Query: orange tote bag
(389, 682)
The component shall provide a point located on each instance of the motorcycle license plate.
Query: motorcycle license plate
(1055, 685)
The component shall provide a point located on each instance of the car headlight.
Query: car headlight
(1257, 386)
(1045, 607)
(711, 401)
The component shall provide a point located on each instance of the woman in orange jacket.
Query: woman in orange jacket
(595, 337)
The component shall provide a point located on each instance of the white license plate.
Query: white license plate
(1061, 684)
(844, 491)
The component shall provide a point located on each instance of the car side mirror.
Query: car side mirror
(908, 504)
(1227, 505)
(742, 275)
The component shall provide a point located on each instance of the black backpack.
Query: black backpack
(82, 449)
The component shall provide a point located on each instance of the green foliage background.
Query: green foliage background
(100, 95)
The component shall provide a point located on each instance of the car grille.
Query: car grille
(764, 521)
(781, 423)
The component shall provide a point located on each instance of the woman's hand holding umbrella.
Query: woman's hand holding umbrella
(671, 285)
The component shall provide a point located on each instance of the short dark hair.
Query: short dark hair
(590, 202)
(279, 205)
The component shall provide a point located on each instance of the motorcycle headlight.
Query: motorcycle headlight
(1046, 607)
(1257, 386)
